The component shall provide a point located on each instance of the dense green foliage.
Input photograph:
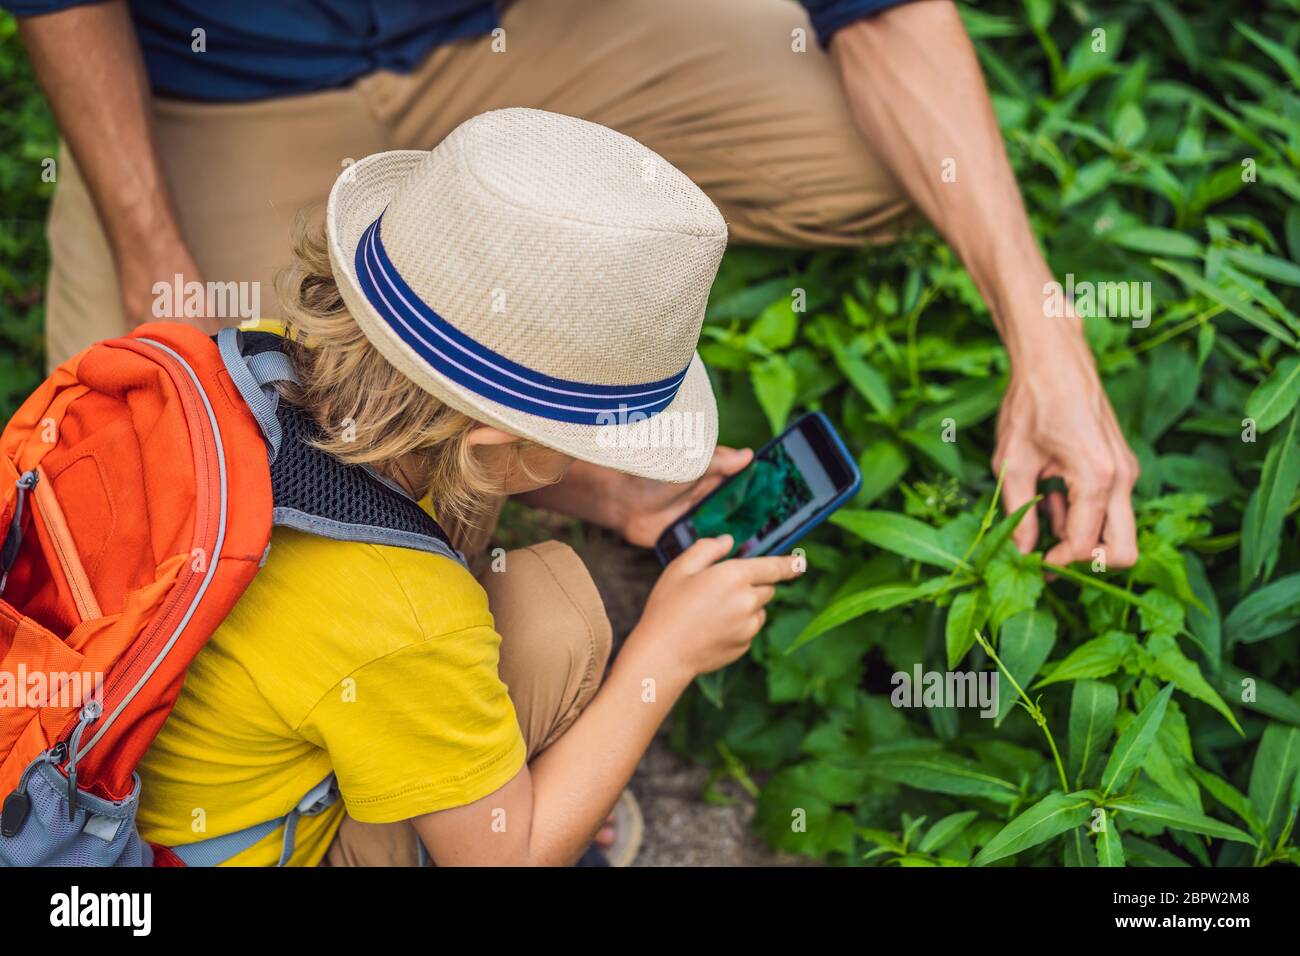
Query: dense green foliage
(1163, 695)
(27, 138)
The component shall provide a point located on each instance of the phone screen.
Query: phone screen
(791, 483)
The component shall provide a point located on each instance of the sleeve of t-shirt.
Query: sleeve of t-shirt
(427, 727)
(828, 16)
(32, 8)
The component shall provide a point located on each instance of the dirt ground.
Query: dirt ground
(681, 828)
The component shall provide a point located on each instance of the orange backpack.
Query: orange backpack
(138, 488)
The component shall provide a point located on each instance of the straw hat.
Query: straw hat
(544, 275)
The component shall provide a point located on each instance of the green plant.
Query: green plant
(27, 140)
(1144, 716)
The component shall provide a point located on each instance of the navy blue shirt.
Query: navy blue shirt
(256, 49)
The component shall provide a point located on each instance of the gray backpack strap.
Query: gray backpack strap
(217, 850)
(254, 376)
(312, 491)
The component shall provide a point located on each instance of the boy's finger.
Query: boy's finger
(727, 461)
(702, 553)
(769, 570)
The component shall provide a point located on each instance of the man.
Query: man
(194, 132)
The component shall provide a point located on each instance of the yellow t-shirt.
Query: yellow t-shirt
(377, 663)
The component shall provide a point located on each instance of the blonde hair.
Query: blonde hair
(368, 412)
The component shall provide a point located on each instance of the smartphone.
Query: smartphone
(794, 482)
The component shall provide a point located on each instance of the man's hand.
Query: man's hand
(159, 260)
(1056, 422)
(914, 86)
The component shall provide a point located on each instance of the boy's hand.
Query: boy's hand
(648, 507)
(707, 610)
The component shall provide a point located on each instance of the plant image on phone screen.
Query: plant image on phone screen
(791, 482)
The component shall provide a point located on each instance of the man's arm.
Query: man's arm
(87, 60)
(915, 88)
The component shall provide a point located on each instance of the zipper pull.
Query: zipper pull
(17, 805)
(89, 714)
(14, 538)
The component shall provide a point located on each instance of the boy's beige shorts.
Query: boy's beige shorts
(714, 86)
(723, 89)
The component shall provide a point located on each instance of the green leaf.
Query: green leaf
(1267, 510)
(1270, 611)
(1229, 796)
(1276, 396)
(1095, 658)
(1130, 125)
(968, 613)
(1179, 818)
(776, 325)
(1133, 744)
(1001, 533)
(1277, 760)
(1092, 720)
(971, 402)
(1169, 664)
(1088, 180)
(870, 384)
(883, 464)
(1205, 622)
(1281, 55)
(1262, 264)
(1024, 642)
(1229, 301)
(1152, 240)
(945, 831)
(1170, 391)
(939, 772)
(899, 534)
(1050, 817)
(1014, 585)
(1110, 848)
(775, 387)
(879, 598)
(1259, 695)
(1180, 31)
(932, 446)
(1162, 564)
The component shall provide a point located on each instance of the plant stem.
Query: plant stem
(1033, 709)
(1089, 581)
(1179, 329)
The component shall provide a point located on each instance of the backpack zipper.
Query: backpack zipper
(14, 539)
(17, 805)
(197, 403)
(89, 714)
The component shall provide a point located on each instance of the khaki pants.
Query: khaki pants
(552, 662)
(715, 87)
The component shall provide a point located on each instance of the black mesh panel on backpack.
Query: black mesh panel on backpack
(314, 482)
(308, 481)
